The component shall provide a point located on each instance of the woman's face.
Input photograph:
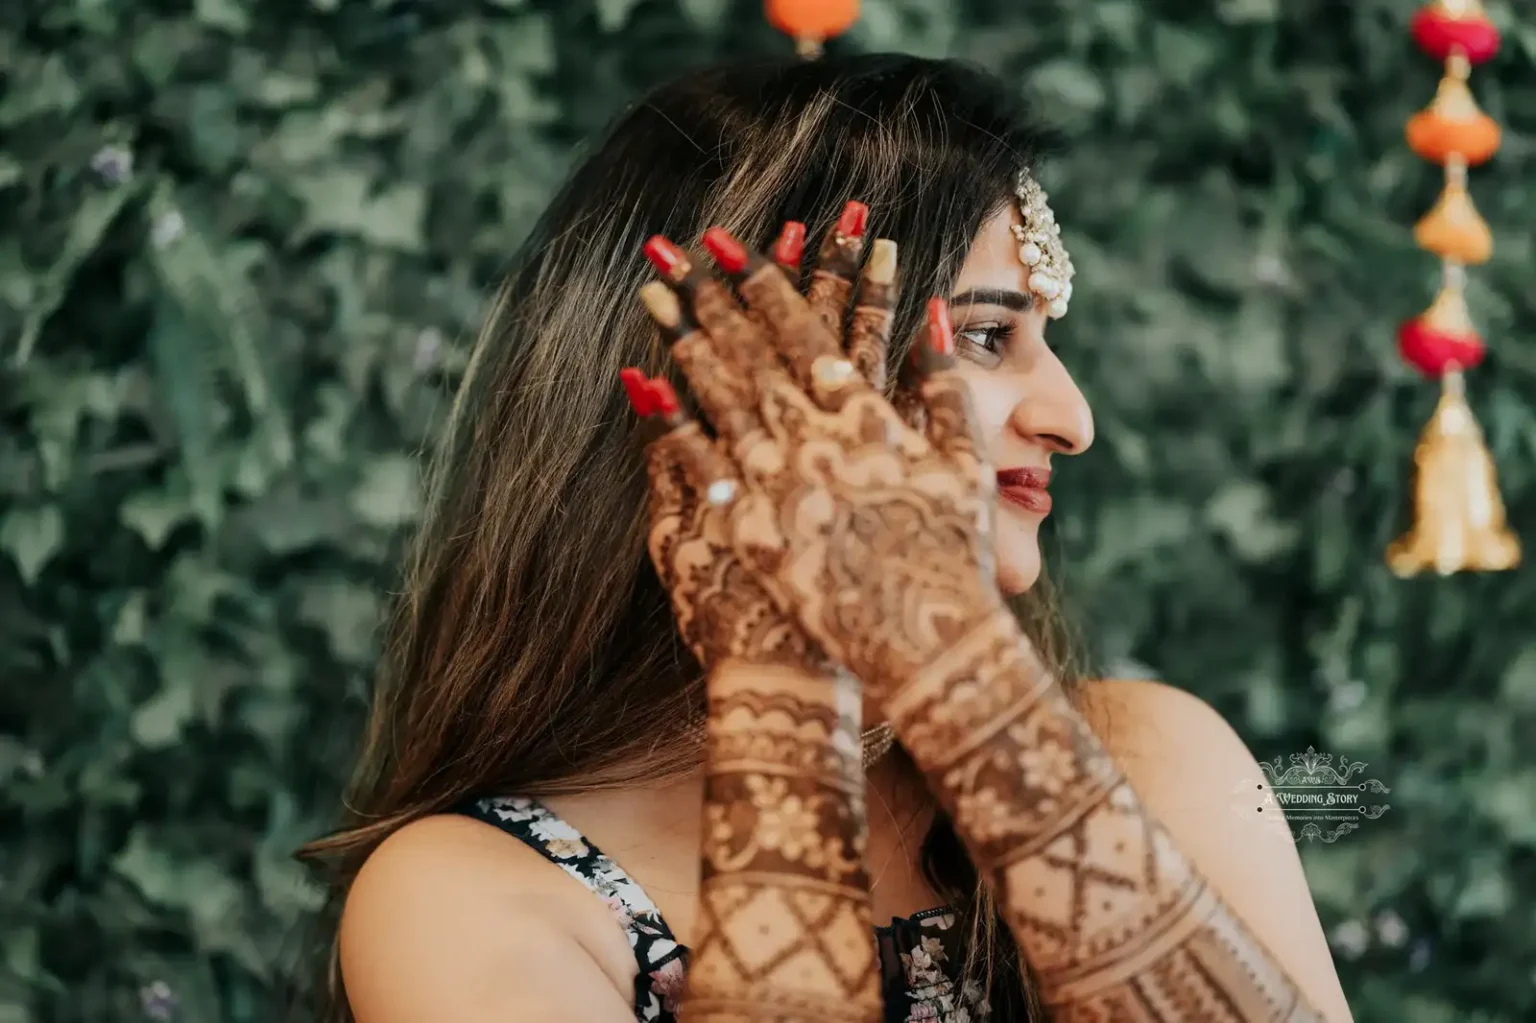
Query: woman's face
(1028, 405)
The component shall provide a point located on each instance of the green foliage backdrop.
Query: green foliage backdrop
(245, 243)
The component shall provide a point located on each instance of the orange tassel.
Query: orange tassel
(1453, 125)
(1453, 229)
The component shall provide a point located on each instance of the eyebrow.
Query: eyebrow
(1017, 301)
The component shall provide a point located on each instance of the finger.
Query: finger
(735, 337)
(814, 355)
(725, 391)
(790, 249)
(705, 471)
(668, 497)
(869, 335)
(952, 426)
(837, 266)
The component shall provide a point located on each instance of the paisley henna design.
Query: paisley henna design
(837, 265)
(876, 537)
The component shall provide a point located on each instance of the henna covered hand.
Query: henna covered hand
(876, 537)
(784, 923)
(872, 533)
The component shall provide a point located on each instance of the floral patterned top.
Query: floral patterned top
(918, 958)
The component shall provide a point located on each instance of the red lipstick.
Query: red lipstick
(1026, 488)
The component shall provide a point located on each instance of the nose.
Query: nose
(1053, 412)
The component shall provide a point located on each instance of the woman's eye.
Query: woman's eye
(984, 344)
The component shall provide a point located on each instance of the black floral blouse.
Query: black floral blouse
(919, 963)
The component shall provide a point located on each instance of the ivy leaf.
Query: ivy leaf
(32, 536)
(388, 495)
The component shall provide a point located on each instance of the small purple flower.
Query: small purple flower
(667, 983)
(113, 163)
(158, 1000)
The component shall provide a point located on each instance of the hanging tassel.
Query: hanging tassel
(810, 23)
(1458, 522)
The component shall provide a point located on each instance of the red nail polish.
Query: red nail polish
(728, 252)
(664, 398)
(791, 245)
(941, 330)
(667, 258)
(639, 392)
(851, 223)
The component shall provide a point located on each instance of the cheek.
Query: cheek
(993, 399)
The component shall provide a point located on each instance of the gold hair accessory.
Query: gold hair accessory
(1040, 247)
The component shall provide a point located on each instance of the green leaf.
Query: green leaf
(348, 202)
(389, 494)
(32, 536)
(94, 213)
(155, 513)
(612, 14)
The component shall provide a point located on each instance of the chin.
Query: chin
(1018, 555)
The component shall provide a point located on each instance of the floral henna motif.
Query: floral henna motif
(876, 537)
(784, 922)
(1113, 918)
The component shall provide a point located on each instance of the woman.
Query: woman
(540, 704)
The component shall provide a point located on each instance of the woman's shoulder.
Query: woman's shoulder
(452, 918)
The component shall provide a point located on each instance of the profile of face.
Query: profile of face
(1028, 406)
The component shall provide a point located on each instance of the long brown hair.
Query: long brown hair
(532, 650)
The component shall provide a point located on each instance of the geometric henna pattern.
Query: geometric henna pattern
(1115, 921)
(784, 927)
(876, 538)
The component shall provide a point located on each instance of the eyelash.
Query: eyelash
(996, 337)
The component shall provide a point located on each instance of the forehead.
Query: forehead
(993, 261)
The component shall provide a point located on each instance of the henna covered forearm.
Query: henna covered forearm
(1113, 917)
(784, 919)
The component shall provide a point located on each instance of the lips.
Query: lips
(1025, 488)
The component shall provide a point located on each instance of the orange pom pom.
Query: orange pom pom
(1437, 138)
(812, 19)
(1453, 125)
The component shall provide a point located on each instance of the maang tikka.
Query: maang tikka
(1040, 247)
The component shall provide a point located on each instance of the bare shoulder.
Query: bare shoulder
(1191, 770)
(451, 919)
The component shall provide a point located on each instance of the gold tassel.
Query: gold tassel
(1459, 520)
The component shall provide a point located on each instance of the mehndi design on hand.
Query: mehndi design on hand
(877, 537)
(784, 929)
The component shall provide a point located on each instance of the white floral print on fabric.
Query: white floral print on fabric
(930, 984)
(658, 956)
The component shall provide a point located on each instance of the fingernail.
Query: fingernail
(851, 223)
(881, 268)
(667, 258)
(639, 392)
(791, 244)
(664, 397)
(728, 252)
(661, 302)
(941, 331)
